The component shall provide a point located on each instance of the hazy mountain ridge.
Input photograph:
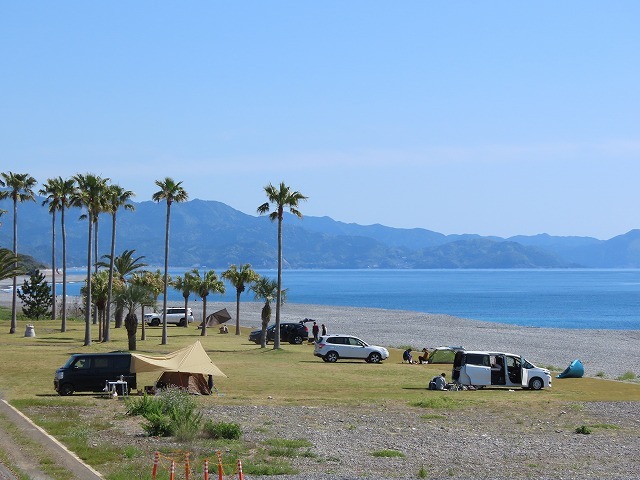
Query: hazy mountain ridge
(210, 233)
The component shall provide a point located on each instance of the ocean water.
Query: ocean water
(567, 298)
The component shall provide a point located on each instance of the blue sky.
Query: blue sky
(498, 118)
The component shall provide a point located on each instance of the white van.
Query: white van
(498, 369)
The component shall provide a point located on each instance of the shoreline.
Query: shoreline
(610, 352)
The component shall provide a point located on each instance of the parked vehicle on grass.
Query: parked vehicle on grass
(498, 369)
(175, 316)
(295, 333)
(89, 372)
(332, 347)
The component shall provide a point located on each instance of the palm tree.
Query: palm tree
(116, 197)
(67, 189)
(50, 189)
(205, 285)
(134, 296)
(58, 192)
(123, 265)
(100, 296)
(239, 279)
(266, 289)
(281, 197)
(152, 281)
(8, 264)
(20, 190)
(185, 285)
(89, 195)
(170, 191)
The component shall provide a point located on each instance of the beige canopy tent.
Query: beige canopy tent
(185, 368)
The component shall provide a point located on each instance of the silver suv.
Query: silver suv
(175, 316)
(332, 347)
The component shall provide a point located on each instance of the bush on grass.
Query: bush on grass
(170, 412)
(222, 430)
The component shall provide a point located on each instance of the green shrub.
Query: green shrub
(387, 453)
(583, 429)
(171, 412)
(222, 430)
(422, 473)
(627, 376)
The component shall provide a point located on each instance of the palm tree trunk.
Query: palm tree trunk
(63, 327)
(276, 341)
(186, 306)
(87, 307)
(53, 265)
(95, 269)
(14, 306)
(143, 335)
(166, 277)
(100, 324)
(203, 333)
(238, 312)
(107, 330)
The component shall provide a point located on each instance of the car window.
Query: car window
(82, 362)
(355, 342)
(478, 359)
(336, 340)
(100, 362)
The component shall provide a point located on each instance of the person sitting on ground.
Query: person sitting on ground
(424, 358)
(439, 382)
(406, 356)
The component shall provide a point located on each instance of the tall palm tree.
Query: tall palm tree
(123, 265)
(281, 197)
(8, 264)
(49, 190)
(239, 278)
(266, 289)
(20, 189)
(116, 198)
(209, 283)
(61, 192)
(170, 191)
(185, 285)
(89, 195)
(56, 192)
(134, 296)
(153, 282)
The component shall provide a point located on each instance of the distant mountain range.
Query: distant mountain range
(212, 234)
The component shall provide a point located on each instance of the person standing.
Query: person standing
(324, 330)
(315, 331)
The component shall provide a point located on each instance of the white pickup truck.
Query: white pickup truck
(175, 316)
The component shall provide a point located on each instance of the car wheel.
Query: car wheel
(182, 322)
(374, 357)
(536, 383)
(331, 357)
(297, 340)
(155, 322)
(66, 389)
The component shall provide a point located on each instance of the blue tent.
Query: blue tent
(574, 370)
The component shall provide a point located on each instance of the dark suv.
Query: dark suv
(289, 332)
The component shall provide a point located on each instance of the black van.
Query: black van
(89, 372)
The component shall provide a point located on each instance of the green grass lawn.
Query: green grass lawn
(291, 375)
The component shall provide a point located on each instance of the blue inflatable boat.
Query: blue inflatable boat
(574, 370)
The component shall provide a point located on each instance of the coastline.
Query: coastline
(611, 352)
